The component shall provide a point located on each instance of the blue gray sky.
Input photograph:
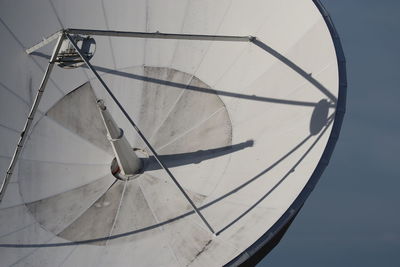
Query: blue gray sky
(352, 218)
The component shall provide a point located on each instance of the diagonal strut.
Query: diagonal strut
(140, 134)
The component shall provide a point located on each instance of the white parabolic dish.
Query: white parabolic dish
(247, 129)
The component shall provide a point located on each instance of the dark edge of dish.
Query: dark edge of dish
(259, 249)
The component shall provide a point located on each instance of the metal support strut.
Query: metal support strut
(148, 35)
(89, 65)
(28, 123)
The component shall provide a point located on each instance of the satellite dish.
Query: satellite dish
(162, 134)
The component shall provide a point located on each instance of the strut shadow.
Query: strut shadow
(154, 226)
(176, 160)
(221, 92)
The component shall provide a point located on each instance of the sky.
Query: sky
(352, 218)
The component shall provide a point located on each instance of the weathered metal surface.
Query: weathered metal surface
(257, 127)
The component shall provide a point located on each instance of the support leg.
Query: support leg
(28, 123)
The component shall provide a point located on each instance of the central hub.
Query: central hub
(116, 170)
